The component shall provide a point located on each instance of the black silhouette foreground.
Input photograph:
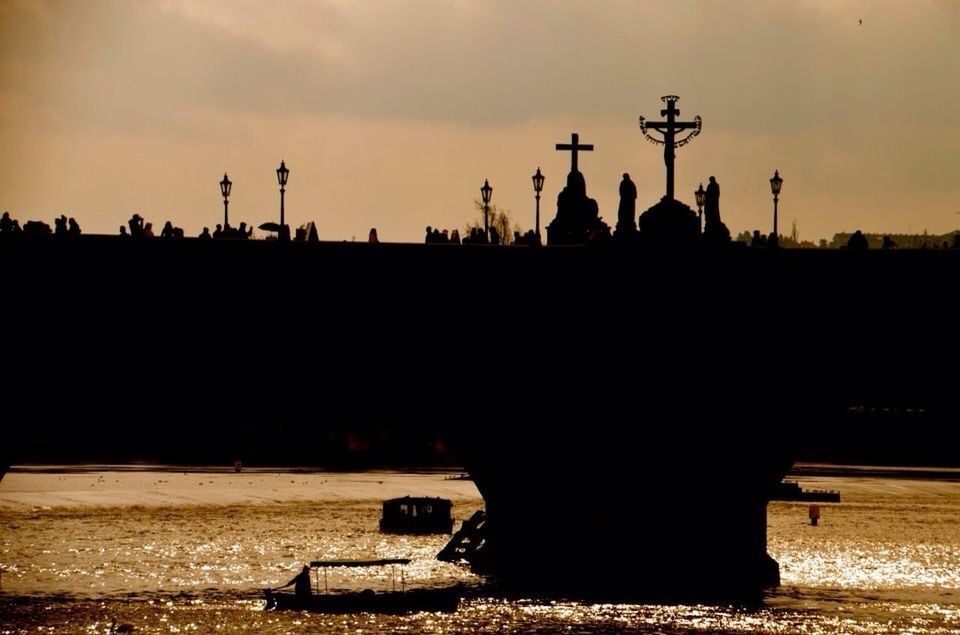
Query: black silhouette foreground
(649, 381)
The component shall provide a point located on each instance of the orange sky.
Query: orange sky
(391, 113)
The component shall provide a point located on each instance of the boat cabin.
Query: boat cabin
(409, 515)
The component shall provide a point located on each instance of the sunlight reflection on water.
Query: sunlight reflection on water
(885, 560)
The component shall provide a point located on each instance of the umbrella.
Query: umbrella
(270, 227)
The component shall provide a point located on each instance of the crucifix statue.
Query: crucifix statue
(669, 130)
(574, 147)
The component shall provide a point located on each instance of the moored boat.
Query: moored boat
(366, 601)
(369, 601)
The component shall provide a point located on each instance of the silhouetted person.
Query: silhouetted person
(455, 237)
(205, 234)
(218, 231)
(857, 241)
(60, 226)
(494, 236)
(627, 212)
(372, 238)
(73, 228)
(6, 224)
(136, 225)
(148, 230)
(888, 243)
(123, 232)
(429, 237)
(757, 239)
(167, 231)
(301, 583)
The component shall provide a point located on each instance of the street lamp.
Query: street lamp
(701, 195)
(225, 186)
(485, 192)
(538, 180)
(282, 174)
(775, 183)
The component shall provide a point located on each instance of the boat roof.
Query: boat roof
(359, 563)
(418, 499)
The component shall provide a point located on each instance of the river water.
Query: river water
(172, 551)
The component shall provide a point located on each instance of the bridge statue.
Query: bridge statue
(669, 130)
(670, 222)
(578, 217)
(714, 230)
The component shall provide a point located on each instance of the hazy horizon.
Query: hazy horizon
(392, 114)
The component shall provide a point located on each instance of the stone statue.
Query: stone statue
(714, 230)
(578, 217)
(627, 213)
(711, 209)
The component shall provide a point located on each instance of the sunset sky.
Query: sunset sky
(391, 113)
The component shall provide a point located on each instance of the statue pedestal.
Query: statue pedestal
(669, 223)
(578, 219)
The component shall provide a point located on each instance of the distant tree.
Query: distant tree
(499, 218)
(794, 233)
(744, 237)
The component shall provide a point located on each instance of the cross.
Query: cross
(669, 130)
(574, 147)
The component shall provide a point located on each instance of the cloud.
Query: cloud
(753, 64)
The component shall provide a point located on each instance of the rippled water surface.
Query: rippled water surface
(172, 552)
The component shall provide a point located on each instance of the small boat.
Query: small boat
(367, 601)
(409, 515)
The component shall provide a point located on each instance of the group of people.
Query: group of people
(476, 236)
(63, 227)
(435, 236)
(142, 229)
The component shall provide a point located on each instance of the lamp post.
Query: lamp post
(225, 186)
(282, 174)
(775, 183)
(701, 195)
(486, 191)
(538, 180)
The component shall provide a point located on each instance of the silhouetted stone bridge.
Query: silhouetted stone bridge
(583, 379)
